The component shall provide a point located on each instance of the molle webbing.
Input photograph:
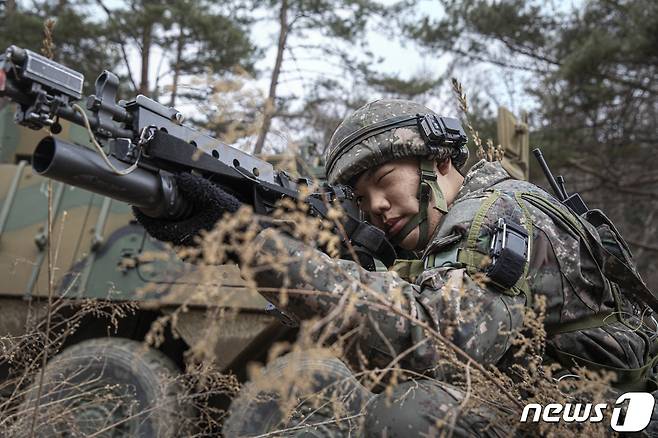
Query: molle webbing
(474, 260)
(523, 284)
(470, 255)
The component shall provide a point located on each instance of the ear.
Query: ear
(443, 167)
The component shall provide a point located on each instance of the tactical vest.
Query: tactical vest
(605, 246)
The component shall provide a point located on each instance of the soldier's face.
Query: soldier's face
(387, 193)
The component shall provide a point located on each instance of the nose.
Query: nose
(378, 204)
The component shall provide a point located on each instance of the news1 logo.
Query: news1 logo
(638, 412)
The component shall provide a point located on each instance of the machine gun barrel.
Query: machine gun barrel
(153, 193)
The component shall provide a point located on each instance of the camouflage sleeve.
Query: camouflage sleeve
(371, 304)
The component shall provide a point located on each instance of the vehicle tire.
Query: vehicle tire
(315, 385)
(108, 387)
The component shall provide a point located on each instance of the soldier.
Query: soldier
(483, 225)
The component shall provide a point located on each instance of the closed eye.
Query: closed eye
(383, 175)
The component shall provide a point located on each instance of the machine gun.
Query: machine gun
(148, 144)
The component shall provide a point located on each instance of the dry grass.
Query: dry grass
(488, 150)
(505, 393)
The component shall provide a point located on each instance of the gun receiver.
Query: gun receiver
(151, 141)
(574, 202)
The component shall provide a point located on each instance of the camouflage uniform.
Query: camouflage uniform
(478, 317)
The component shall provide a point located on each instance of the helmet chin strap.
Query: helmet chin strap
(426, 186)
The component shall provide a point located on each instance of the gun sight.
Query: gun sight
(48, 73)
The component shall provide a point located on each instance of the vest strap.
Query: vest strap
(594, 320)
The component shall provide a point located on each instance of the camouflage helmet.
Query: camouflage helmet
(385, 130)
(382, 131)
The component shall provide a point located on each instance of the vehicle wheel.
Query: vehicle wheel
(299, 395)
(108, 387)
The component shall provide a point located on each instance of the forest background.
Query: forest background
(279, 75)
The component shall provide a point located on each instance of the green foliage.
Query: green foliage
(210, 40)
(403, 88)
(196, 36)
(345, 19)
